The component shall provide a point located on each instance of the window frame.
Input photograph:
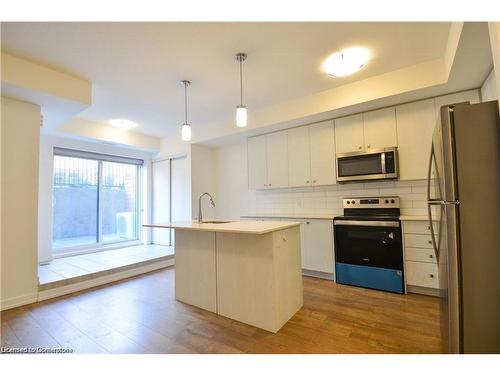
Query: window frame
(99, 245)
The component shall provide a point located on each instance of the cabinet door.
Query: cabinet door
(299, 157)
(415, 124)
(257, 163)
(349, 134)
(319, 246)
(277, 160)
(322, 143)
(380, 128)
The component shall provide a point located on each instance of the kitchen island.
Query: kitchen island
(249, 271)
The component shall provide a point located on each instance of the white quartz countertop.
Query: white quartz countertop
(330, 217)
(247, 226)
(413, 218)
(293, 216)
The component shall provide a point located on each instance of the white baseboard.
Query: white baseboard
(25, 299)
(318, 274)
(101, 280)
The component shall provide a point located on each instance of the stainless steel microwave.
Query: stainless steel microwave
(377, 164)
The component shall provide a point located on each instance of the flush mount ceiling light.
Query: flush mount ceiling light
(186, 128)
(123, 124)
(241, 110)
(346, 62)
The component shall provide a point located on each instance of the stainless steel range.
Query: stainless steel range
(368, 245)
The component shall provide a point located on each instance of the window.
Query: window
(96, 200)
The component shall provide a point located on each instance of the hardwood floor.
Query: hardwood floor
(140, 315)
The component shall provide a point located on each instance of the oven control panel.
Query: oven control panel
(371, 202)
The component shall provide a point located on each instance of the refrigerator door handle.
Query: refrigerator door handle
(431, 156)
(431, 227)
(433, 202)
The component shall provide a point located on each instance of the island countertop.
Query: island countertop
(247, 226)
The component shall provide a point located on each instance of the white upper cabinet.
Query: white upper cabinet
(415, 126)
(299, 156)
(349, 134)
(322, 145)
(257, 162)
(277, 160)
(380, 129)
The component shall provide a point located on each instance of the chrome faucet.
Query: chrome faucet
(200, 218)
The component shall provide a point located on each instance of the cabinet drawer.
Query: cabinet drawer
(422, 274)
(418, 227)
(420, 255)
(418, 240)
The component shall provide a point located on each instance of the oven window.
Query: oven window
(360, 165)
(369, 246)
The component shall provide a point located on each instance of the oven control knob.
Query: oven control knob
(386, 201)
(353, 202)
(392, 200)
(348, 202)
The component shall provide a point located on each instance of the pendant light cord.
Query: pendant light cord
(185, 104)
(241, 82)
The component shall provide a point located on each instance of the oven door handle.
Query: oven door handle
(368, 223)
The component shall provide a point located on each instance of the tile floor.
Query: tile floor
(80, 265)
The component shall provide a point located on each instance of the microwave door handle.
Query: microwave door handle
(382, 161)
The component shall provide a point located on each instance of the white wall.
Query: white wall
(20, 128)
(489, 88)
(231, 183)
(494, 31)
(202, 180)
(47, 144)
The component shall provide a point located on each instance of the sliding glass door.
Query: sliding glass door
(96, 201)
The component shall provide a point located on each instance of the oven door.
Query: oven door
(369, 254)
(373, 165)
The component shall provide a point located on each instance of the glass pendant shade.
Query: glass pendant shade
(186, 132)
(241, 116)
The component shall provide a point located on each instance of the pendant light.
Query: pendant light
(186, 128)
(241, 110)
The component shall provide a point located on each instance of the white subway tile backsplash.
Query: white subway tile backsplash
(328, 199)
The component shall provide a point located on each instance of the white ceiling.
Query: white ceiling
(135, 68)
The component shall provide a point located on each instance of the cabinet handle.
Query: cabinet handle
(431, 276)
(307, 222)
(431, 256)
(359, 147)
(368, 146)
(428, 227)
(314, 181)
(430, 242)
(307, 181)
(269, 184)
(265, 184)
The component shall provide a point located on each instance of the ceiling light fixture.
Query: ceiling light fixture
(241, 110)
(186, 128)
(346, 62)
(123, 124)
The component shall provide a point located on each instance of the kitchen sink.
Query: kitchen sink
(215, 222)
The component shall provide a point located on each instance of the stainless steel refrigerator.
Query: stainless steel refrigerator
(464, 204)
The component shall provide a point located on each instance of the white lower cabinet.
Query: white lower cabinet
(420, 261)
(422, 274)
(316, 238)
(316, 245)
